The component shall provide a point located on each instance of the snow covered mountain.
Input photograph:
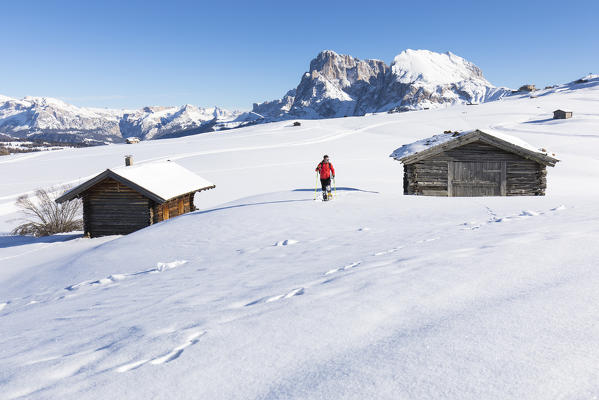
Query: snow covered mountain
(335, 86)
(341, 85)
(52, 119)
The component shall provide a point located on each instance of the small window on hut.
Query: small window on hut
(181, 206)
(165, 211)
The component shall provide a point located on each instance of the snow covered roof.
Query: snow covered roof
(430, 146)
(159, 181)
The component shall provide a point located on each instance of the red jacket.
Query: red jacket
(326, 170)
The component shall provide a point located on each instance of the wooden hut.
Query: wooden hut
(473, 163)
(122, 200)
(527, 88)
(562, 114)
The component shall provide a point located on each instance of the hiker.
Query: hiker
(326, 170)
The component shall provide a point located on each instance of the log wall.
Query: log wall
(111, 208)
(526, 178)
(429, 177)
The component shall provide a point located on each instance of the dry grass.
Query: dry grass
(44, 217)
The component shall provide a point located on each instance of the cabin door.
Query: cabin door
(470, 179)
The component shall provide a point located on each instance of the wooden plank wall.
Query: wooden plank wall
(111, 208)
(429, 177)
(526, 178)
(176, 206)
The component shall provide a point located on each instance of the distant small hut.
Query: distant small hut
(122, 200)
(473, 163)
(527, 88)
(562, 114)
(132, 140)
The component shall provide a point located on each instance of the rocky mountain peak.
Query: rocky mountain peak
(339, 85)
(344, 69)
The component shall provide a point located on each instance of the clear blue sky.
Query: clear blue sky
(136, 53)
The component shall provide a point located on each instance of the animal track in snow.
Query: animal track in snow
(428, 240)
(131, 366)
(470, 226)
(286, 242)
(522, 215)
(160, 267)
(349, 266)
(269, 299)
(165, 358)
(177, 351)
(390, 251)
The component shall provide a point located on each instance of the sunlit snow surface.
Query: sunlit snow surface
(265, 293)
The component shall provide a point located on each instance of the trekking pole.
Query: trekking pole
(316, 187)
(335, 184)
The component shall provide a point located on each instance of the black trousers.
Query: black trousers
(325, 183)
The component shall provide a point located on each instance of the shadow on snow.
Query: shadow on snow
(248, 205)
(262, 203)
(14, 240)
(344, 189)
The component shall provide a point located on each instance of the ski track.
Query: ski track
(517, 127)
(318, 140)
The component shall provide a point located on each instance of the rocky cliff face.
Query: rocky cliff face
(339, 85)
(52, 119)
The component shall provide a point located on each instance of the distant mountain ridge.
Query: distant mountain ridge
(52, 119)
(335, 86)
(341, 85)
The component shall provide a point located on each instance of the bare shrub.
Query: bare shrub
(44, 217)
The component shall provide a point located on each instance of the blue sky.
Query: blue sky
(231, 54)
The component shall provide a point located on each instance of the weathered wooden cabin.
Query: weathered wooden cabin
(122, 200)
(474, 163)
(562, 114)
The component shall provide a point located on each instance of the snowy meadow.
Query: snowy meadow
(265, 293)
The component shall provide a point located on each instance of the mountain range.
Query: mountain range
(47, 118)
(335, 86)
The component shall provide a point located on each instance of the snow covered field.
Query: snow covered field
(265, 293)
